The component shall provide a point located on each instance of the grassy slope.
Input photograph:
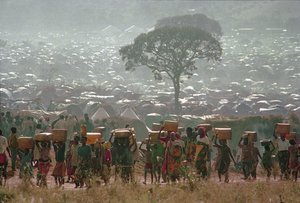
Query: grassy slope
(204, 192)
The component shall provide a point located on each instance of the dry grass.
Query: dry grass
(205, 191)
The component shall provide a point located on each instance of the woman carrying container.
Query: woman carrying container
(190, 146)
(59, 170)
(173, 157)
(74, 155)
(283, 155)
(107, 162)
(83, 171)
(224, 159)
(202, 153)
(148, 161)
(43, 163)
(246, 158)
(267, 157)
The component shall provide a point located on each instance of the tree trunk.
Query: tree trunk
(176, 84)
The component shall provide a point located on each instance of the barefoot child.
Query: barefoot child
(83, 171)
(107, 161)
(157, 154)
(267, 158)
(148, 162)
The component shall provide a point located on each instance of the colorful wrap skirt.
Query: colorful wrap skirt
(43, 167)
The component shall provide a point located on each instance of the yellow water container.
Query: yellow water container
(25, 143)
(100, 129)
(283, 128)
(43, 137)
(119, 133)
(171, 126)
(92, 138)
(223, 133)
(252, 136)
(59, 135)
(206, 126)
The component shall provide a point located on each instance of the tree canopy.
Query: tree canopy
(196, 20)
(171, 50)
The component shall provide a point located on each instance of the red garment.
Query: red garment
(2, 158)
(43, 167)
(107, 156)
(70, 171)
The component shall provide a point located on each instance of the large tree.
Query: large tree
(195, 20)
(173, 51)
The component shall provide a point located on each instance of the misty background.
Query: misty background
(94, 15)
(76, 43)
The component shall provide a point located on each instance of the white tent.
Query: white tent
(100, 114)
(111, 30)
(129, 113)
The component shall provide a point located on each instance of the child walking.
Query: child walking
(267, 158)
(148, 162)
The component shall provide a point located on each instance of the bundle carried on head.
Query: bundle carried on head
(25, 143)
(206, 126)
(282, 128)
(251, 135)
(93, 138)
(122, 132)
(223, 133)
(43, 137)
(170, 126)
(59, 135)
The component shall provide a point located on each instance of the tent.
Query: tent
(100, 114)
(5, 93)
(130, 114)
(40, 113)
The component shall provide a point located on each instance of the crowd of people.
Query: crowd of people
(196, 149)
(173, 156)
(69, 156)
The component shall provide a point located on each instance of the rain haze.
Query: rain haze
(75, 44)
